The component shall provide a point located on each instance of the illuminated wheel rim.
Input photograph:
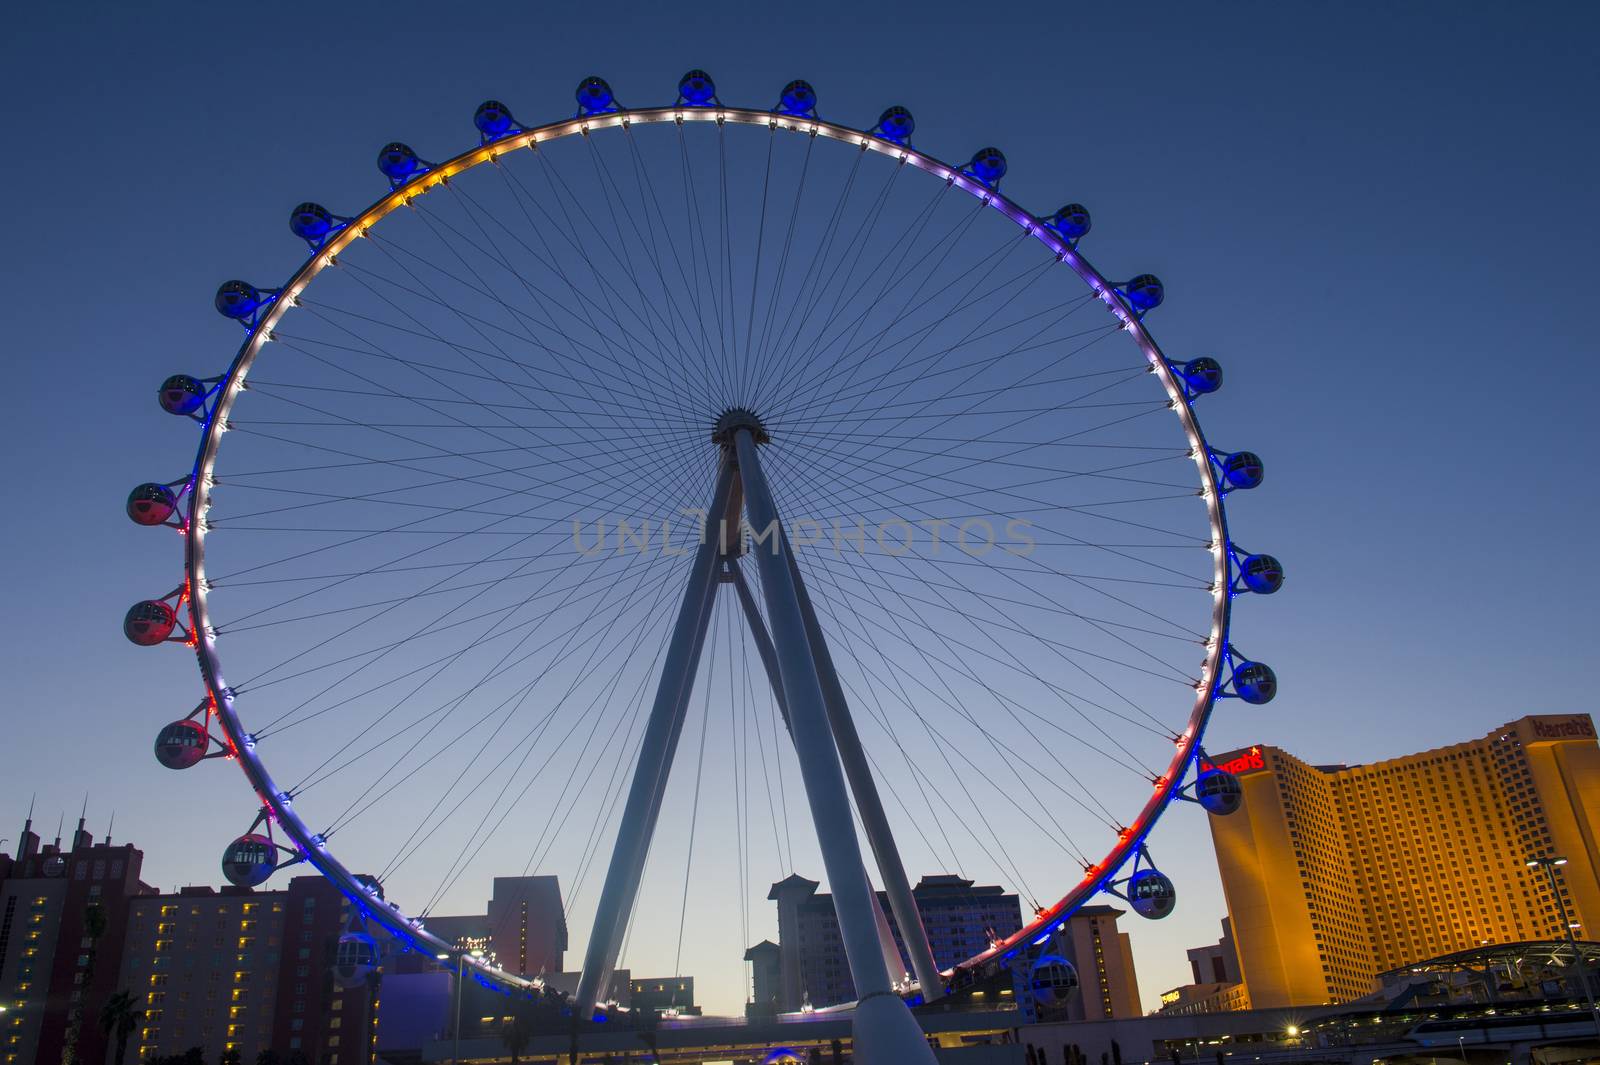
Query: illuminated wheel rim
(1214, 678)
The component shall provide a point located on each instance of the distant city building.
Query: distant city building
(527, 925)
(54, 973)
(766, 979)
(1335, 874)
(524, 926)
(1108, 985)
(664, 994)
(960, 920)
(1217, 984)
(246, 970)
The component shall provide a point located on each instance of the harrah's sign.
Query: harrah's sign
(1237, 762)
(1572, 728)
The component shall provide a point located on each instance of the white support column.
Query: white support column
(883, 1030)
(769, 660)
(902, 903)
(655, 758)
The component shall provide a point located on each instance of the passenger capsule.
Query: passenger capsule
(1053, 980)
(988, 165)
(1145, 292)
(1203, 375)
(182, 744)
(1254, 682)
(1219, 792)
(896, 124)
(249, 860)
(182, 394)
(697, 88)
(152, 504)
(310, 221)
(493, 119)
(1151, 894)
(798, 98)
(594, 95)
(1072, 221)
(1262, 574)
(149, 623)
(355, 959)
(1243, 469)
(398, 162)
(237, 300)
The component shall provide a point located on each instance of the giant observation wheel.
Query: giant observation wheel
(459, 566)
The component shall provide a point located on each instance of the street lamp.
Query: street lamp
(1548, 863)
(461, 965)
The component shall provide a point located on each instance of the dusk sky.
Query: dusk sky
(1379, 217)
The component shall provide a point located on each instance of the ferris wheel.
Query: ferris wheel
(737, 442)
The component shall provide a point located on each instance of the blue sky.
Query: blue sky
(1379, 217)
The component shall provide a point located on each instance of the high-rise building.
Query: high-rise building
(527, 926)
(1217, 986)
(960, 920)
(246, 970)
(63, 915)
(1334, 874)
(1108, 985)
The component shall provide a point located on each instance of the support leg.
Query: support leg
(884, 1031)
(902, 903)
(655, 760)
(769, 660)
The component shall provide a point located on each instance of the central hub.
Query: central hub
(735, 418)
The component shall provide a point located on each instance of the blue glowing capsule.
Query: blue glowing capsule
(1262, 574)
(1219, 792)
(1202, 375)
(1151, 894)
(355, 959)
(1255, 683)
(1244, 469)
(988, 165)
(1145, 292)
(1072, 221)
(249, 860)
(182, 744)
(595, 96)
(310, 221)
(697, 89)
(149, 623)
(152, 504)
(1053, 980)
(237, 300)
(798, 98)
(182, 394)
(896, 124)
(397, 162)
(493, 119)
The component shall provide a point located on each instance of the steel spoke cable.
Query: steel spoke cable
(459, 866)
(699, 775)
(757, 354)
(552, 176)
(973, 675)
(367, 801)
(813, 281)
(741, 380)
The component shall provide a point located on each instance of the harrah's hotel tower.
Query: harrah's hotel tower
(1334, 874)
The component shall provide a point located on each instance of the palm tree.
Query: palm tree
(118, 1019)
(94, 926)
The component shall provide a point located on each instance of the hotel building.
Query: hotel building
(1334, 874)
